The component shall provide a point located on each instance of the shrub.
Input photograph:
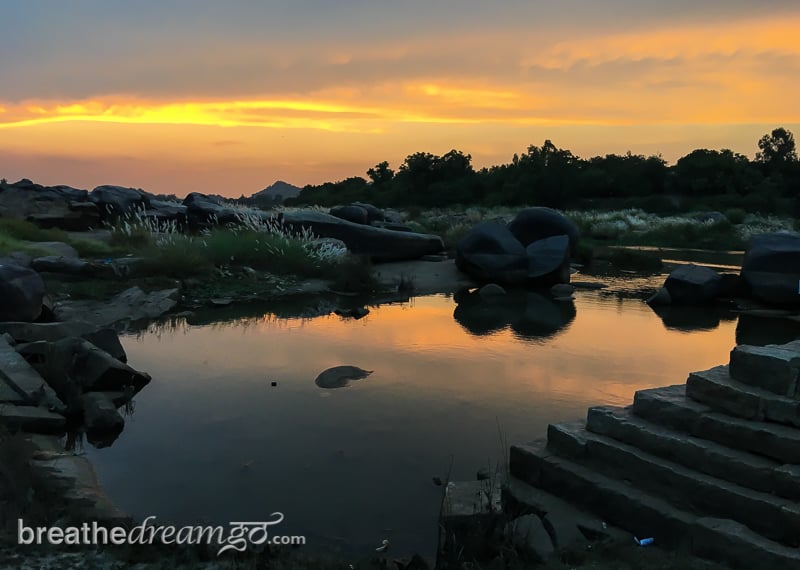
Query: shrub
(24, 230)
(735, 215)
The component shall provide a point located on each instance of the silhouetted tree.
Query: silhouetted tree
(777, 148)
(380, 174)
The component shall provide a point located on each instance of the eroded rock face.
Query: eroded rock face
(693, 285)
(771, 268)
(21, 293)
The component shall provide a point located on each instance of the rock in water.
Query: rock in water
(534, 224)
(340, 376)
(693, 285)
(771, 268)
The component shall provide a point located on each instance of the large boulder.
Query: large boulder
(21, 293)
(490, 253)
(693, 285)
(74, 217)
(163, 211)
(374, 214)
(534, 224)
(113, 201)
(351, 213)
(771, 268)
(48, 206)
(378, 243)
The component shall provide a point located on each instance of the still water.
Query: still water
(212, 440)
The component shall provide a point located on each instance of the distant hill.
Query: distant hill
(276, 193)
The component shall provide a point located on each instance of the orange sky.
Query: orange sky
(243, 107)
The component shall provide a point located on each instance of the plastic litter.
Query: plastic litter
(644, 541)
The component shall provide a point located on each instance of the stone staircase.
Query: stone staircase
(711, 466)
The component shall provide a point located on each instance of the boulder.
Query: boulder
(548, 260)
(562, 290)
(113, 201)
(393, 217)
(355, 214)
(660, 297)
(61, 265)
(529, 536)
(377, 243)
(24, 198)
(771, 268)
(75, 217)
(21, 293)
(491, 290)
(374, 214)
(392, 226)
(491, 254)
(32, 332)
(693, 285)
(534, 224)
(100, 415)
(163, 211)
(129, 306)
(340, 376)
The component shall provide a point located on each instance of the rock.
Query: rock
(204, 211)
(434, 258)
(391, 226)
(562, 290)
(220, 301)
(107, 340)
(354, 214)
(491, 253)
(732, 285)
(58, 249)
(491, 290)
(129, 306)
(21, 294)
(21, 384)
(100, 415)
(74, 365)
(61, 265)
(659, 298)
(548, 260)
(771, 268)
(564, 532)
(31, 419)
(76, 217)
(163, 212)
(356, 313)
(340, 376)
(32, 332)
(534, 224)
(17, 258)
(113, 201)
(377, 243)
(693, 285)
(528, 535)
(374, 214)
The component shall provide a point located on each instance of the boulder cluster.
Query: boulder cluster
(770, 274)
(534, 249)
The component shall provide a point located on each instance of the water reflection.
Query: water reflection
(761, 330)
(693, 318)
(529, 315)
(340, 376)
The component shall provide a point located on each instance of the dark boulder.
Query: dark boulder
(352, 213)
(62, 264)
(113, 201)
(548, 260)
(693, 285)
(771, 268)
(378, 243)
(163, 211)
(49, 206)
(100, 415)
(21, 293)
(491, 254)
(534, 224)
(74, 217)
(374, 214)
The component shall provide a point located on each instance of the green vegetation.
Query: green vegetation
(550, 176)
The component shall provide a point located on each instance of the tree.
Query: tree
(777, 148)
(380, 174)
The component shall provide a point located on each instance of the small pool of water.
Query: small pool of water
(212, 440)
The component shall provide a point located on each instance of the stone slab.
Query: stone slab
(31, 419)
(770, 367)
(20, 375)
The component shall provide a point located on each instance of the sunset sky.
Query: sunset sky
(227, 97)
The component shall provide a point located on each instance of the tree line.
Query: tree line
(550, 176)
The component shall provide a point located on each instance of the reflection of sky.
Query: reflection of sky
(343, 464)
(179, 95)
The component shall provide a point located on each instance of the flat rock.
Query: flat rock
(31, 419)
(772, 367)
(528, 534)
(21, 378)
(129, 306)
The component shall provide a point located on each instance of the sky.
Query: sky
(175, 96)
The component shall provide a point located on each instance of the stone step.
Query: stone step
(773, 367)
(670, 407)
(31, 419)
(615, 501)
(716, 388)
(646, 515)
(691, 491)
(740, 467)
